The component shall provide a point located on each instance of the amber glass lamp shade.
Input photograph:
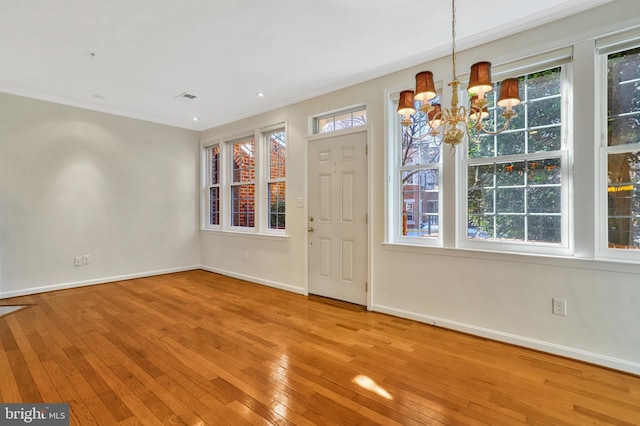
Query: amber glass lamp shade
(405, 104)
(480, 79)
(509, 96)
(425, 88)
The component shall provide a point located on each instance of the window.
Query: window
(242, 184)
(341, 120)
(276, 183)
(516, 191)
(621, 155)
(513, 186)
(417, 175)
(419, 179)
(213, 155)
(245, 182)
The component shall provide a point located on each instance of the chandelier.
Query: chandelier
(451, 125)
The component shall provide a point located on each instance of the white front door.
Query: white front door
(337, 220)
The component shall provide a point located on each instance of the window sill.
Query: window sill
(252, 235)
(599, 264)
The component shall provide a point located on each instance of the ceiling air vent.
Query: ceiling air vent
(186, 96)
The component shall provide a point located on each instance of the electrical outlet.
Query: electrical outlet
(86, 259)
(559, 306)
(77, 260)
(246, 256)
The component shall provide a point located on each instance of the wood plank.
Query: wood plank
(201, 348)
(46, 388)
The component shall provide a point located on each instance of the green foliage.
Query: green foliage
(520, 200)
(623, 128)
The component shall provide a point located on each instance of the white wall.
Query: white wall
(75, 182)
(501, 296)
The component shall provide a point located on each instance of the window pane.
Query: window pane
(244, 161)
(510, 200)
(343, 120)
(544, 200)
(511, 143)
(481, 176)
(623, 130)
(510, 227)
(623, 75)
(360, 117)
(545, 139)
(420, 202)
(542, 172)
(243, 205)
(543, 112)
(543, 84)
(480, 227)
(623, 191)
(325, 124)
(214, 206)
(278, 156)
(480, 201)
(509, 174)
(527, 194)
(215, 165)
(623, 97)
(537, 124)
(482, 146)
(417, 152)
(277, 192)
(544, 229)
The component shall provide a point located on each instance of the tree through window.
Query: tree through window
(623, 149)
(419, 179)
(514, 179)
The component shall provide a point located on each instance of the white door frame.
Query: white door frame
(370, 216)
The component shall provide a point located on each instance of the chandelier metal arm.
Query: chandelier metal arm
(479, 126)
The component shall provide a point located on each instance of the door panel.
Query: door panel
(337, 217)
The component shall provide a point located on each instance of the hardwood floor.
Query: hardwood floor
(198, 348)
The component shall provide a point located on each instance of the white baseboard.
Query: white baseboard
(274, 284)
(104, 280)
(552, 348)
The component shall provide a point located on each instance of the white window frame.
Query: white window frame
(395, 168)
(209, 185)
(266, 139)
(565, 248)
(225, 177)
(229, 144)
(604, 47)
(315, 126)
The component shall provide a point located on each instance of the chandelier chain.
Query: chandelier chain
(453, 39)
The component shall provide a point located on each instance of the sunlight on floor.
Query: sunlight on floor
(368, 383)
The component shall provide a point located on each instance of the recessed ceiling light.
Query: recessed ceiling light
(195, 118)
(260, 94)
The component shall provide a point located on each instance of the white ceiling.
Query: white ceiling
(132, 57)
